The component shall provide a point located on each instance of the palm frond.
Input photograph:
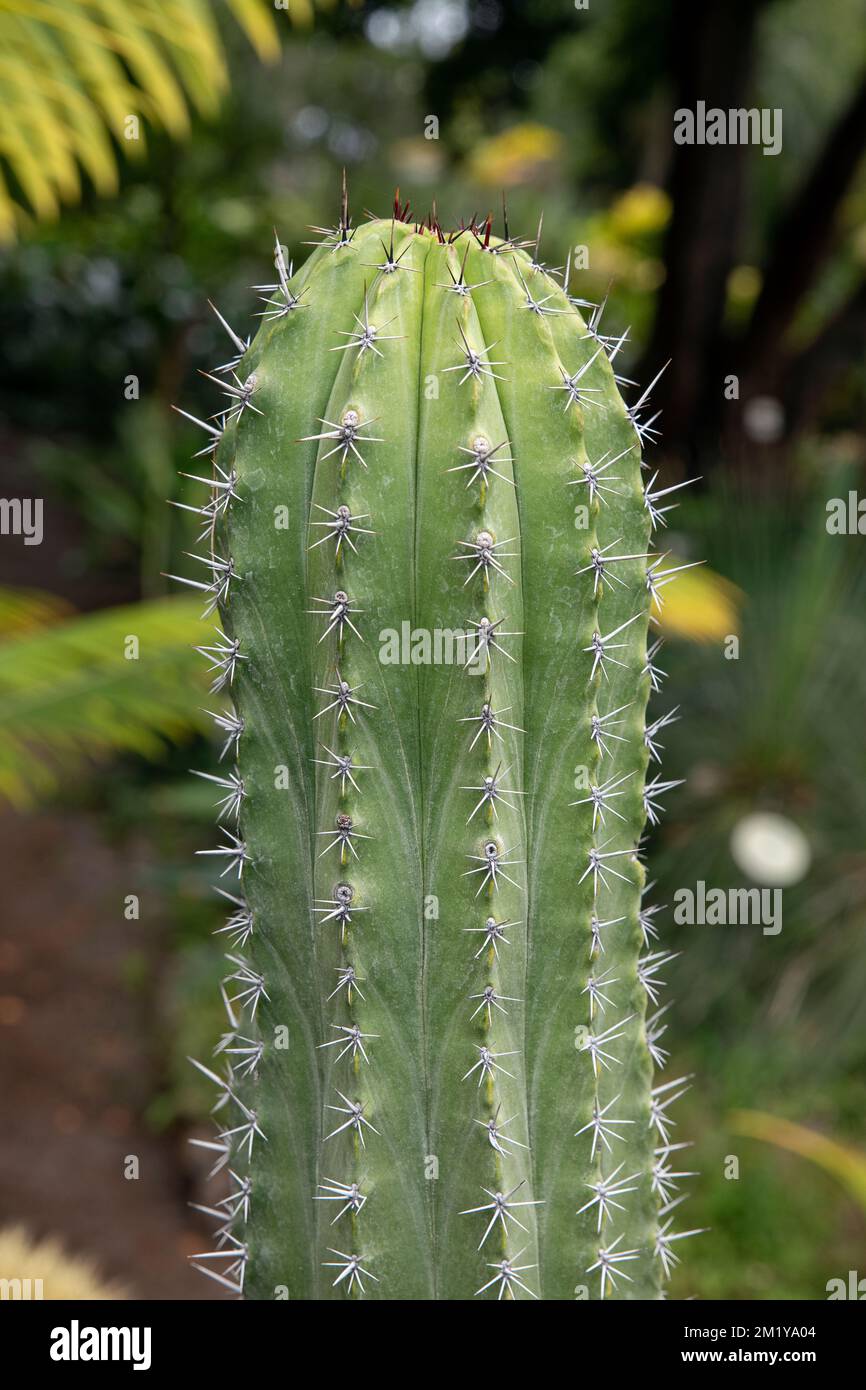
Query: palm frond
(75, 73)
(74, 691)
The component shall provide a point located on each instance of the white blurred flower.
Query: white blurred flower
(771, 849)
(764, 419)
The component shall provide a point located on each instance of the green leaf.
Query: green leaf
(74, 691)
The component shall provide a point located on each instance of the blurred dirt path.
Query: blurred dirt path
(75, 1075)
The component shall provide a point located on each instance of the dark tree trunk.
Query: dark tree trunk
(806, 379)
(799, 247)
(711, 62)
(801, 243)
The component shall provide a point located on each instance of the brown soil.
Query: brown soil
(76, 1072)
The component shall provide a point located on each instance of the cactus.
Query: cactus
(430, 550)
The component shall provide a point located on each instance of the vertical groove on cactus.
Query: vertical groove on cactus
(430, 551)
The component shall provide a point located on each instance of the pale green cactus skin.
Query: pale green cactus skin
(424, 1156)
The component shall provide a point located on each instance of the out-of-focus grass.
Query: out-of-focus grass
(778, 1228)
(841, 1161)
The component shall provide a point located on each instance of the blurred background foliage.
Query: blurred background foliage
(729, 262)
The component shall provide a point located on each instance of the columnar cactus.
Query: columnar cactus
(429, 545)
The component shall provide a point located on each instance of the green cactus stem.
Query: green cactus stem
(430, 549)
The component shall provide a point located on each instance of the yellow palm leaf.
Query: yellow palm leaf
(259, 26)
(87, 140)
(72, 73)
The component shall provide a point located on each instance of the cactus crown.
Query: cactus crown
(429, 547)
